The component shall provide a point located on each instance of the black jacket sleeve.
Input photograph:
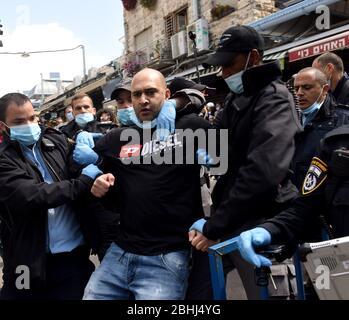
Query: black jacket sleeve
(271, 148)
(302, 217)
(294, 224)
(22, 193)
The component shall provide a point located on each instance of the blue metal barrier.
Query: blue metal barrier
(216, 254)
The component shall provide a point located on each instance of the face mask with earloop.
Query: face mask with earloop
(26, 134)
(234, 82)
(83, 119)
(310, 110)
(70, 116)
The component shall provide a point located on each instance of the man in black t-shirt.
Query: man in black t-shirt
(158, 191)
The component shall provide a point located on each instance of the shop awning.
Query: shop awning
(336, 42)
(52, 104)
(204, 73)
(192, 73)
(292, 12)
(275, 55)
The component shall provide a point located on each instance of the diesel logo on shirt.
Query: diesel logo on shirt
(133, 152)
(156, 146)
(130, 151)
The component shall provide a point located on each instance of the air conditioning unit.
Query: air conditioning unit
(200, 28)
(179, 44)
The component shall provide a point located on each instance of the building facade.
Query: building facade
(157, 36)
(158, 32)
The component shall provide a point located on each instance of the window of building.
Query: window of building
(176, 22)
(143, 45)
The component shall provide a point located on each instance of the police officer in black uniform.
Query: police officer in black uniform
(324, 192)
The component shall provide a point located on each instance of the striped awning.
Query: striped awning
(192, 73)
(203, 73)
(275, 56)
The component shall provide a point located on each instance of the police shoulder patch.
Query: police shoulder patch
(315, 177)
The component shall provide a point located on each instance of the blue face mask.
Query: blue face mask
(69, 116)
(27, 134)
(234, 82)
(143, 125)
(309, 113)
(83, 119)
(125, 116)
(146, 124)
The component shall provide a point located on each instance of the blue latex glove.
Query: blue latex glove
(204, 158)
(84, 155)
(254, 238)
(86, 138)
(198, 225)
(91, 171)
(166, 120)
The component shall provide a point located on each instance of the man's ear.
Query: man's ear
(330, 67)
(167, 94)
(326, 88)
(255, 58)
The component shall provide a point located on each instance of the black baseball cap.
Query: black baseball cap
(237, 39)
(181, 83)
(125, 87)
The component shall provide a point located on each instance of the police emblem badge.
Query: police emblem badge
(316, 175)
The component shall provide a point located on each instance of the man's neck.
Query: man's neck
(335, 79)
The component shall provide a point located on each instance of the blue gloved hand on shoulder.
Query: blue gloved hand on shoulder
(166, 120)
(91, 171)
(86, 138)
(84, 155)
(254, 238)
(198, 225)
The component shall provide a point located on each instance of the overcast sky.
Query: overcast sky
(31, 25)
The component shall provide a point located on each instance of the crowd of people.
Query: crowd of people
(92, 183)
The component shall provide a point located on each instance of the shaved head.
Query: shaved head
(149, 92)
(148, 74)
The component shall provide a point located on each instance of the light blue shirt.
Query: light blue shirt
(63, 230)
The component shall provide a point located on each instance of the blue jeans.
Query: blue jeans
(126, 276)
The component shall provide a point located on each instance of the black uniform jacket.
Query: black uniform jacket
(262, 123)
(329, 117)
(324, 192)
(25, 199)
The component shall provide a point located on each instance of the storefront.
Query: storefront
(300, 54)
